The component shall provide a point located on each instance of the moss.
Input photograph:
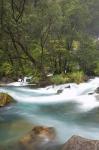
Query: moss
(5, 99)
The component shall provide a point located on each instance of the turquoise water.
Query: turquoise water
(67, 118)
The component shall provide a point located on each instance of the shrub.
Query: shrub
(96, 70)
(6, 69)
(77, 76)
(59, 79)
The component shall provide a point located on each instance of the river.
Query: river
(72, 112)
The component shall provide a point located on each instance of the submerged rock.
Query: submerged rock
(38, 137)
(80, 143)
(5, 99)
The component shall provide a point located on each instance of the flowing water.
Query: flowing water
(71, 112)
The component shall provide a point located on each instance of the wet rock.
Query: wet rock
(38, 138)
(67, 87)
(79, 143)
(91, 93)
(97, 90)
(97, 97)
(5, 99)
(59, 91)
(44, 82)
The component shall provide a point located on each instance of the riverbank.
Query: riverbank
(36, 82)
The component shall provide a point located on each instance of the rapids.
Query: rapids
(71, 112)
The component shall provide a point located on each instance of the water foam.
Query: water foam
(48, 95)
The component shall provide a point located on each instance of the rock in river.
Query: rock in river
(37, 138)
(5, 99)
(97, 90)
(59, 91)
(97, 97)
(79, 143)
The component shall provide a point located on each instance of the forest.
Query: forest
(38, 37)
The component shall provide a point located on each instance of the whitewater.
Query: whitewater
(73, 110)
(71, 92)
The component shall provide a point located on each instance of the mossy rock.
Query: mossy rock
(5, 99)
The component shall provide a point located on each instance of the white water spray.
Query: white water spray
(48, 95)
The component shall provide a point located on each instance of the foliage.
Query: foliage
(49, 36)
(7, 69)
(76, 77)
(96, 70)
(60, 79)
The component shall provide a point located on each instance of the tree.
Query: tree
(40, 35)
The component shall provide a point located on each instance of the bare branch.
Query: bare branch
(17, 11)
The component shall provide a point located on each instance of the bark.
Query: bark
(2, 13)
(19, 9)
(16, 49)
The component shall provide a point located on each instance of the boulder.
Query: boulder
(37, 138)
(97, 90)
(5, 99)
(80, 143)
